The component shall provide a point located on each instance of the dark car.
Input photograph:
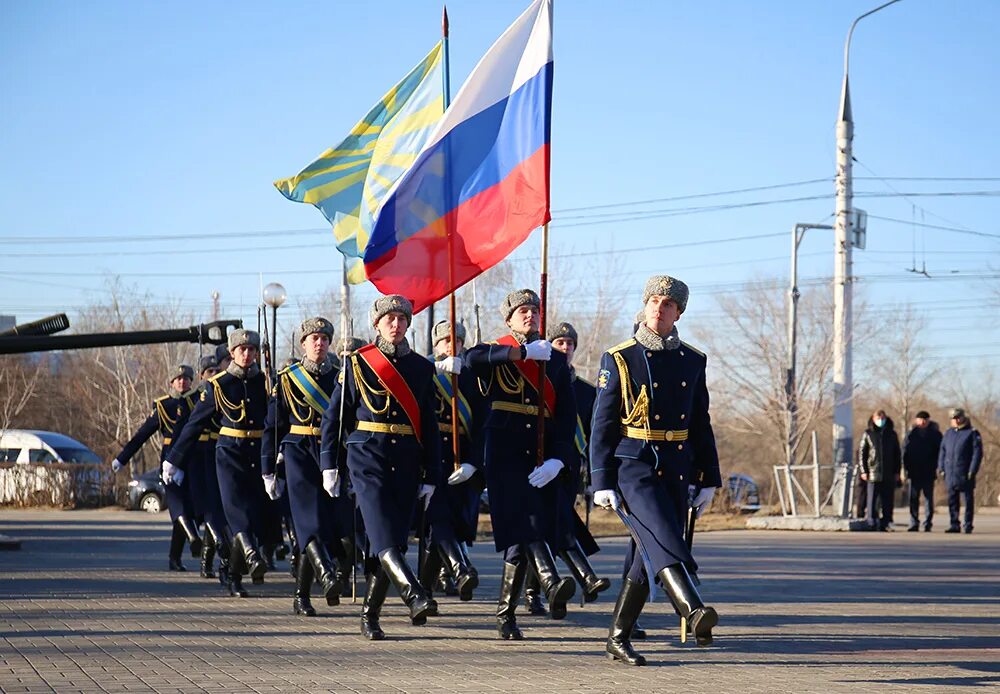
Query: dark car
(147, 493)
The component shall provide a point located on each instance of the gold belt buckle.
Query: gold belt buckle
(668, 435)
(393, 428)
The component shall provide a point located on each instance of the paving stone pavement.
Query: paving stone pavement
(87, 606)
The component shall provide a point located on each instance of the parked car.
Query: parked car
(147, 493)
(47, 467)
(742, 492)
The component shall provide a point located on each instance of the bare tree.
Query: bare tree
(18, 383)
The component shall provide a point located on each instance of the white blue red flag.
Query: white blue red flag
(481, 183)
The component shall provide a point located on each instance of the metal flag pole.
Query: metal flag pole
(543, 297)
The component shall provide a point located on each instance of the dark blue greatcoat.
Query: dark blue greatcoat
(572, 529)
(454, 509)
(168, 416)
(959, 457)
(386, 469)
(311, 507)
(666, 392)
(204, 479)
(520, 512)
(241, 405)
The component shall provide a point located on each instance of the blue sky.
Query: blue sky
(130, 120)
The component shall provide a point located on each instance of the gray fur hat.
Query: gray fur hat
(564, 330)
(181, 371)
(665, 285)
(349, 344)
(387, 304)
(442, 330)
(516, 299)
(242, 336)
(207, 362)
(315, 325)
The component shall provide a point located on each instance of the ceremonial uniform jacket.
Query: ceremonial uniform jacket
(585, 394)
(652, 406)
(472, 410)
(169, 413)
(521, 513)
(295, 414)
(240, 406)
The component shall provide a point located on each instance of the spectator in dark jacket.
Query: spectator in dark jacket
(959, 459)
(878, 463)
(920, 460)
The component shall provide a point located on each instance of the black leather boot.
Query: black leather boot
(191, 532)
(511, 583)
(687, 602)
(303, 584)
(445, 584)
(251, 562)
(558, 591)
(236, 570)
(584, 573)
(208, 560)
(375, 592)
(429, 570)
(322, 567)
(533, 595)
(627, 609)
(465, 580)
(638, 632)
(268, 552)
(406, 583)
(176, 547)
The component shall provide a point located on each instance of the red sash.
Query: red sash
(529, 369)
(393, 381)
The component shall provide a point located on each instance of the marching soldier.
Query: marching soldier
(524, 495)
(301, 396)
(574, 543)
(652, 446)
(238, 396)
(453, 514)
(385, 413)
(168, 414)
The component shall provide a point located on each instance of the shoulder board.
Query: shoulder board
(217, 376)
(693, 348)
(162, 398)
(285, 370)
(623, 345)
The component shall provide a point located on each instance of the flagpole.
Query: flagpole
(543, 296)
(455, 428)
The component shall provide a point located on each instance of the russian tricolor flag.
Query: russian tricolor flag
(481, 184)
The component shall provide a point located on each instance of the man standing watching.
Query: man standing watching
(920, 455)
(959, 459)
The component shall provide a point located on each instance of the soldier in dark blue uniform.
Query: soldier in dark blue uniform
(651, 447)
(204, 485)
(573, 541)
(301, 395)
(238, 396)
(385, 413)
(453, 514)
(524, 495)
(168, 414)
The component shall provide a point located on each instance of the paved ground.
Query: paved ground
(87, 606)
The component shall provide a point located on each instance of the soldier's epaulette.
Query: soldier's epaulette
(162, 398)
(693, 349)
(217, 376)
(619, 347)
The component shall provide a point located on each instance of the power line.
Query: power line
(956, 230)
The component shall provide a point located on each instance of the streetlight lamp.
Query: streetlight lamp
(274, 295)
(843, 386)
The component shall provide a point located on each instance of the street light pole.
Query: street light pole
(843, 380)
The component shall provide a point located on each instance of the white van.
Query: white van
(34, 468)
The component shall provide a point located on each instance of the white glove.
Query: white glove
(116, 465)
(702, 500)
(539, 350)
(463, 473)
(426, 492)
(331, 482)
(607, 499)
(545, 473)
(172, 473)
(271, 486)
(449, 365)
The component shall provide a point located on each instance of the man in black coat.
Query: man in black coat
(920, 458)
(879, 464)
